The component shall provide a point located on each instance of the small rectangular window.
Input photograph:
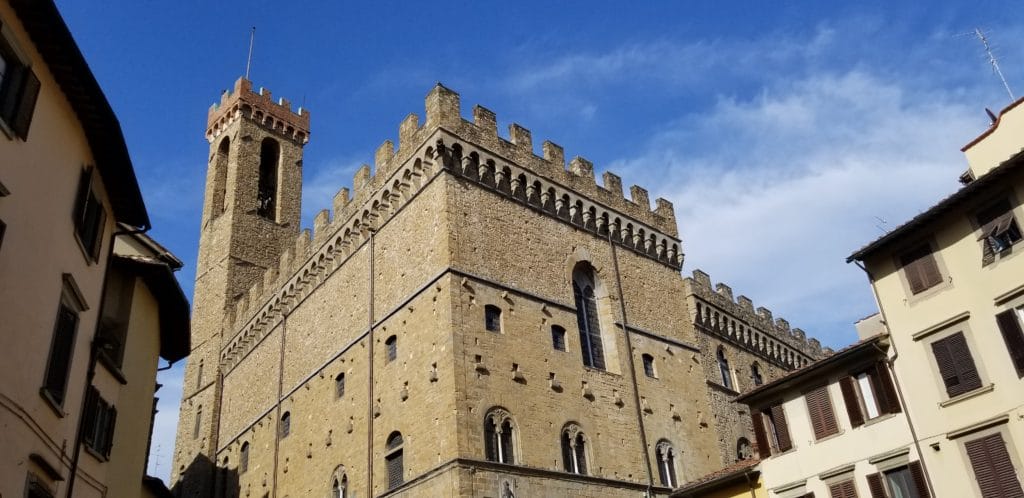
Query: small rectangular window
(61, 349)
(956, 365)
(999, 230)
(391, 349)
(89, 216)
(558, 338)
(492, 318)
(921, 269)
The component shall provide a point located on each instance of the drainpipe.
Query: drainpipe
(890, 364)
(632, 369)
(94, 349)
(750, 483)
(369, 400)
(277, 411)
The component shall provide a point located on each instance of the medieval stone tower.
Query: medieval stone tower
(250, 213)
(473, 320)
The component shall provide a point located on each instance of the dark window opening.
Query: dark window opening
(286, 424)
(19, 89)
(243, 458)
(391, 348)
(558, 337)
(220, 179)
(648, 365)
(266, 196)
(921, 269)
(492, 318)
(743, 449)
(199, 422)
(339, 385)
(56, 380)
(574, 454)
(98, 423)
(591, 346)
(755, 374)
(999, 230)
(665, 455)
(393, 460)
(89, 216)
(723, 367)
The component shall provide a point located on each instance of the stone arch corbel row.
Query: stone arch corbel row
(722, 323)
(521, 184)
(240, 109)
(331, 254)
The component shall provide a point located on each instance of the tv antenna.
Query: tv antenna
(249, 60)
(980, 35)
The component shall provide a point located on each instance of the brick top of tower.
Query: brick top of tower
(241, 100)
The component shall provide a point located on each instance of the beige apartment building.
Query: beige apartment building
(950, 288)
(88, 303)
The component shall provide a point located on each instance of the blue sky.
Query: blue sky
(787, 134)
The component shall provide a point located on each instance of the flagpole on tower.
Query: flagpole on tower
(248, 61)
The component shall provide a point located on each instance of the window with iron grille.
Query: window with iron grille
(393, 460)
(98, 423)
(492, 318)
(391, 348)
(956, 365)
(243, 458)
(286, 424)
(339, 385)
(558, 337)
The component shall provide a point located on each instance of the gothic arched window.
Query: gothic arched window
(574, 449)
(723, 367)
(243, 458)
(339, 488)
(755, 373)
(266, 195)
(286, 424)
(499, 436)
(666, 456)
(583, 284)
(220, 179)
(391, 349)
(393, 460)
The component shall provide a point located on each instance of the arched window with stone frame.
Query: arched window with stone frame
(499, 436)
(584, 285)
(394, 459)
(723, 367)
(665, 454)
(339, 483)
(266, 194)
(574, 449)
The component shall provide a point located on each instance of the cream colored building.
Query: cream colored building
(79, 353)
(950, 288)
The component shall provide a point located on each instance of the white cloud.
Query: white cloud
(773, 192)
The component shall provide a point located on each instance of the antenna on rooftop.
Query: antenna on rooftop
(980, 35)
(248, 61)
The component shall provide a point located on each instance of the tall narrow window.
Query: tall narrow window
(393, 460)
(648, 365)
(823, 417)
(492, 318)
(498, 436)
(198, 422)
(89, 216)
(286, 424)
(339, 488)
(218, 189)
(19, 88)
(666, 457)
(558, 338)
(591, 345)
(62, 346)
(243, 458)
(266, 196)
(574, 450)
(723, 368)
(199, 375)
(755, 374)
(98, 422)
(391, 349)
(771, 430)
(339, 385)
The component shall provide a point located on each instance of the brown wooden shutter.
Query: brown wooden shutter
(26, 104)
(956, 364)
(921, 269)
(111, 421)
(852, 402)
(763, 449)
(1014, 338)
(917, 472)
(844, 489)
(809, 495)
(992, 467)
(875, 485)
(886, 389)
(823, 418)
(781, 428)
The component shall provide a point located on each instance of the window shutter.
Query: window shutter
(886, 389)
(929, 269)
(26, 104)
(13, 80)
(781, 428)
(97, 242)
(823, 418)
(851, 401)
(956, 364)
(921, 269)
(763, 449)
(917, 472)
(843, 489)
(60, 356)
(108, 444)
(875, 485)
(89, 416)
(992, 467)
(1014, 338)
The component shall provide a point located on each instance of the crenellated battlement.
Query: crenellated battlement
(241, 101)
(446, 143)
(714, 308)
